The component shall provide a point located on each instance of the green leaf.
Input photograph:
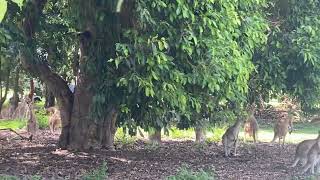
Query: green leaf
(18, 2)
(3, 9)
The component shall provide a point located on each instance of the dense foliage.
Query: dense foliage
(161, 62)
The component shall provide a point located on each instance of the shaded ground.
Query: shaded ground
(143, 161)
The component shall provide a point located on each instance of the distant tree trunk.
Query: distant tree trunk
(32, 125)
(14, 101)
(155, 136)
(16, 90)
(3, 97)
(49, 98)
(31, 92)
(200, 134)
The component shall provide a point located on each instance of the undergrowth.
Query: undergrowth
(123, 138)
(42, 118)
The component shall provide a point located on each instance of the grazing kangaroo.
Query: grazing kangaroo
(251, 126)
(313, 157)
(302, 151)
(230, 138)
(281, 129)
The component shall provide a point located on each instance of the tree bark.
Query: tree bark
(155, 137)
(31, 92)
(32, 124)
(75, 108)
(4, 97)
(200, 134)
(14, 100)
(108, 128)
(49, 98)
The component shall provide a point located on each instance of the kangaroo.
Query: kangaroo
(302, 151)
(313, 157)
(54, 119)
(251, 126)
(281, 129)
(230, 138)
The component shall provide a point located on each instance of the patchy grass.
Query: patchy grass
(123, 138)
(175, 133)
(13, 124)
(215, 133)
(8, 177)
(98, 174)
(186, 174)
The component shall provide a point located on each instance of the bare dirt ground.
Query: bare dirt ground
(142, 161)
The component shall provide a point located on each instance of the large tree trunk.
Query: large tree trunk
(75, 108)
(80, 119)
(49, 98)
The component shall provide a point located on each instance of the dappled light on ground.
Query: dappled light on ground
(140, 160)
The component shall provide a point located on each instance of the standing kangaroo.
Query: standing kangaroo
(302, 151)
(281, 129)
(251, 125)
(230, 138)
(54, 119)
(313, 156)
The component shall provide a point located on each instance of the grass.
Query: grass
(175, 133)
(97, 174)
(186, 174)
(123, 138)
(8, 177)
(13, 124)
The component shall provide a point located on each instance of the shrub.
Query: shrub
(186, 174)
(98, 174)
(42, 118)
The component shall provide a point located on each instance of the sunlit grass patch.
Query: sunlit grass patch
(13, 124)
(175, 133)
(215, 133)
(123, 138)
